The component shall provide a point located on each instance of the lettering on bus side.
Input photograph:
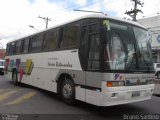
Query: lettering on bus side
(59, 64)
(53, 62)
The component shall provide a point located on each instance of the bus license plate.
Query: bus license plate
(136, 94)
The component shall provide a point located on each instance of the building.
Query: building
(153, 25)
(2, 53)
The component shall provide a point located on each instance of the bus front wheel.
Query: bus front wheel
(68, 91)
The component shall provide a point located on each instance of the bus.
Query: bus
(94, 58)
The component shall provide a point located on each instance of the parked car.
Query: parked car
(157, 70)
(1, 66)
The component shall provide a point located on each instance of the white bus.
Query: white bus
(97, 59)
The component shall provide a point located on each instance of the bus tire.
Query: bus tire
(14, 78)
(68, 91)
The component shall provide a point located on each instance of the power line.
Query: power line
(67, 8)
(89, 4)
(92, 6)
(104, 3)
(88, 11)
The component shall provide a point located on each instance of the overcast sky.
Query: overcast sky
(17, 15)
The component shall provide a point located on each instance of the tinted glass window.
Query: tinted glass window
(69, 36)
(119, 50)
(12, 48)
(94, 48)
(93, 28)
(50, 40)
(7, 49)
(25, 45)
(83, 47)
(18, 47)
(144, 49)
(36, 42)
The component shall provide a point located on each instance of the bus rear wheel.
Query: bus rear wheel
(14, 78)
(68, 91)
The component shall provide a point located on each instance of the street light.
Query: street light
(31, 26)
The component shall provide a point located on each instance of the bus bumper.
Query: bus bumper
(121, 95)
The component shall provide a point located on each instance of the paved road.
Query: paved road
(39, 104)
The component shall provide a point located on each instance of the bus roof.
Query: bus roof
(95, 15)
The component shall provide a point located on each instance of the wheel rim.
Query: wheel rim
(67, 91)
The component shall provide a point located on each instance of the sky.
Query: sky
(17, 15)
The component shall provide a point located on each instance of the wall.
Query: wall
(153, 25)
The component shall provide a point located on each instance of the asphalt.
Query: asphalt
(31, 103)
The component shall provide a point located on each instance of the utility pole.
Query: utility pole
(133, 13)
(46, 20)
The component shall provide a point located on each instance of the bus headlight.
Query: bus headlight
(115, 83)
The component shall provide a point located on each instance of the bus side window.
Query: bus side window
(94, 47)
(36, 42)
(25, 45)
(83, 47)
(70, 34)
(50, 40)
(12, 48)
(18, 47)
(7, 49)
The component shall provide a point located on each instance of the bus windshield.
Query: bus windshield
(127, 47)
